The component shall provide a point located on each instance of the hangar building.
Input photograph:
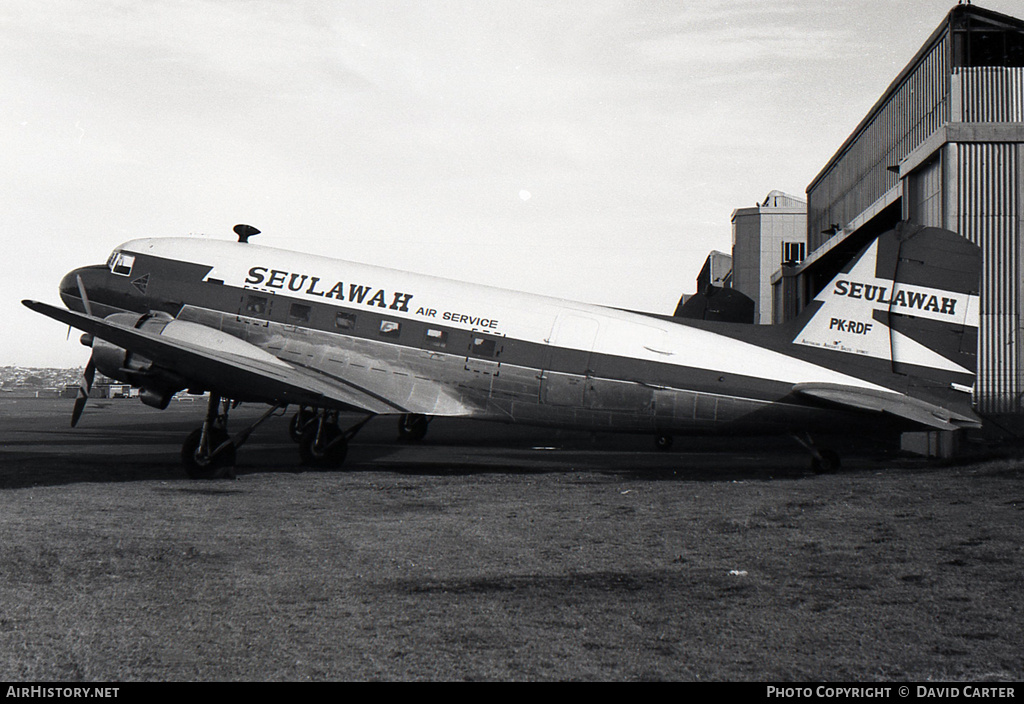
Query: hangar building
(943, 146)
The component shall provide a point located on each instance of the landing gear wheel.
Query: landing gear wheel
(412, 427)
(199, 467)
(323, 453)
(663, 443)
(827, 464)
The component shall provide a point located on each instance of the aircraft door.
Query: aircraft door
(567, 368)
(255, 308)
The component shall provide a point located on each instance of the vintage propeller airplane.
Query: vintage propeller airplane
(890, 343)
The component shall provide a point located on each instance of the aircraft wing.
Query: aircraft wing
(254, 377)
(907, 407)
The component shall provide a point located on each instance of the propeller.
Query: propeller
(84, 387)
(85, 297)
(89, 373)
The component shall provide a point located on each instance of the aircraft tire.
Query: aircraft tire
(828, 464)
(412, 427)
(330, 458)
(212, 468)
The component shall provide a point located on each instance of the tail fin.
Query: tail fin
(909, 299)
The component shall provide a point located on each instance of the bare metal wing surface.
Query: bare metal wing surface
(247, 373)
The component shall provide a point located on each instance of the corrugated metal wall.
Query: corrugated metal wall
(992, 94)
(922, 192)
(988, 184)
(859, 176)
(988, 207)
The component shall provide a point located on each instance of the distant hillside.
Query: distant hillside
(37, 377)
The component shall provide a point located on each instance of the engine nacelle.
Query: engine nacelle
(115, 361)
(158, 386)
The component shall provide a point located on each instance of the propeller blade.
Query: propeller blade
(84, 387)
(85, 297)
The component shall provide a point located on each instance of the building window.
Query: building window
(345, 321)
(390, 328)
(438, 339)
(299, 313)
(793, 253)
(977, 42)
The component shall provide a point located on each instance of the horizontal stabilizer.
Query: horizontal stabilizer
(900, 405)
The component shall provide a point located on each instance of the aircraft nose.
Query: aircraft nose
(69, 285)
(91, 280)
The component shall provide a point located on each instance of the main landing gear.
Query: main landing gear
(321, 442)
(209, 451)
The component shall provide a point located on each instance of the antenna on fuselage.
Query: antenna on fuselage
(244, 232)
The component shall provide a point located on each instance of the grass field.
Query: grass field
(490, 559)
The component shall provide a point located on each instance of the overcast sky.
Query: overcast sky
(586, 149)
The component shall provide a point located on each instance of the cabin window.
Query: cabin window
(121, 263)
(256, 305)
(438, 339)
(482, 347)
(390, 328)
(299, 313)
(345, 321)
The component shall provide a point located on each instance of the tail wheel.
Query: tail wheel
(328, 450)
(827, 463)
(198, 466)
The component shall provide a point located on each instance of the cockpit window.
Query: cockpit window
(121, 263)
